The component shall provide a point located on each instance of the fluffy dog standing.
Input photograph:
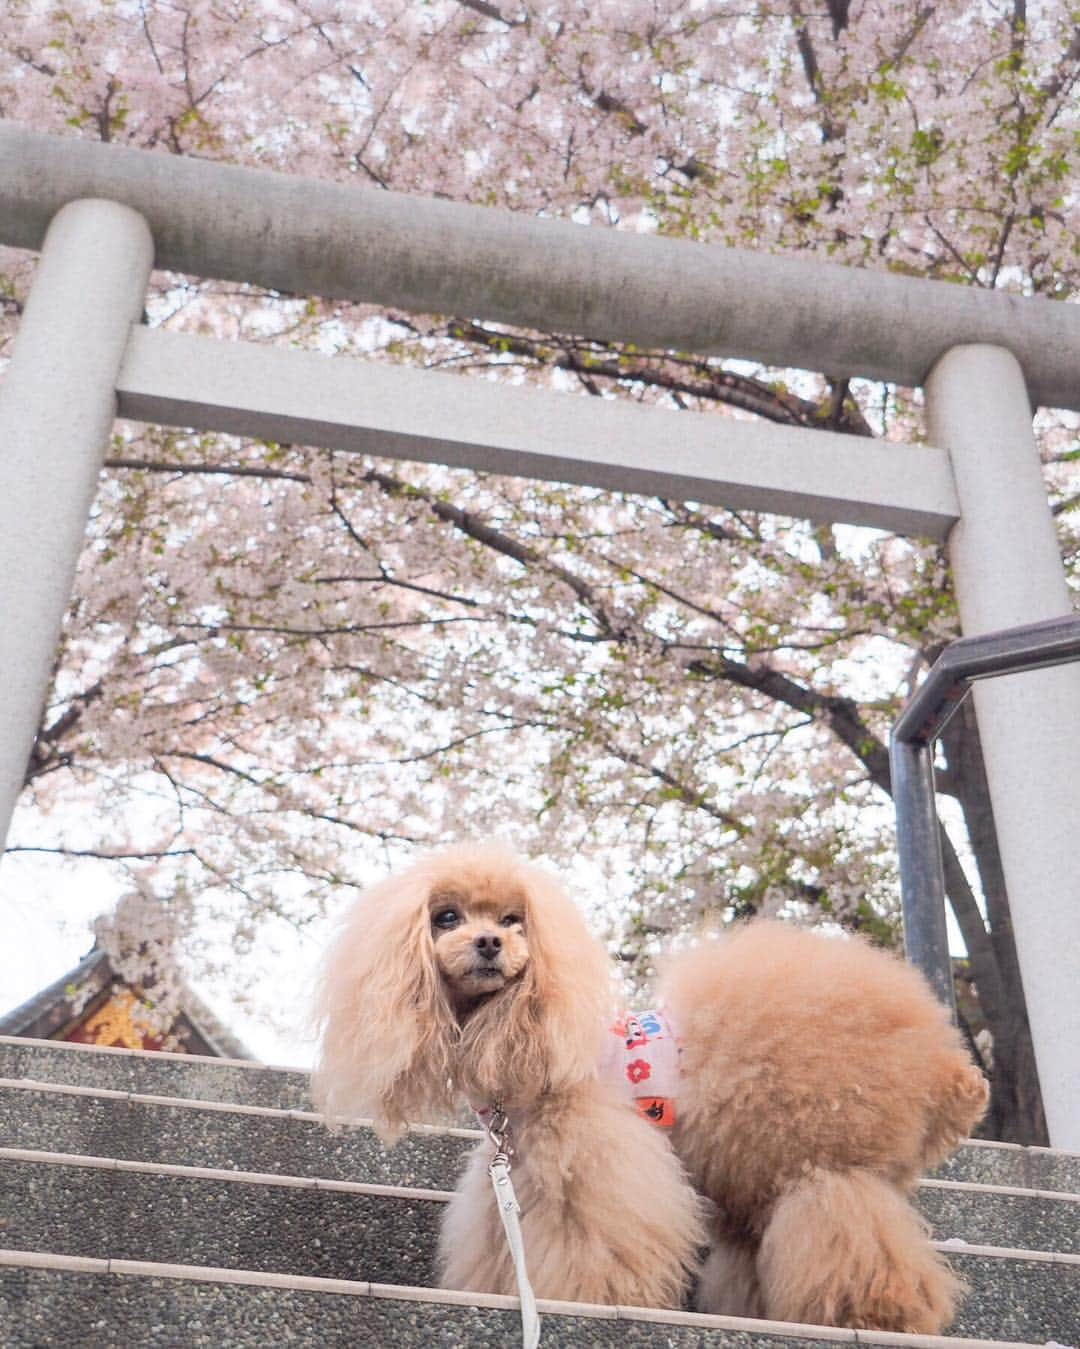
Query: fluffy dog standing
(472, 976)
(819, 1078)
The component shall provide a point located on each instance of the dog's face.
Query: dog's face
(472, 974)
(479, 934)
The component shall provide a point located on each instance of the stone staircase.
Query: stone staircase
(166, 1200)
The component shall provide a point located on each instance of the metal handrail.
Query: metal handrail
(911, 758)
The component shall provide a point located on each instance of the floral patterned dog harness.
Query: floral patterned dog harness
(642, 1056)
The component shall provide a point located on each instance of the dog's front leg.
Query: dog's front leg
(607, 1213)
(473, 1254)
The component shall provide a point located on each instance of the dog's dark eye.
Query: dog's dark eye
(446, 918)
(510, 920)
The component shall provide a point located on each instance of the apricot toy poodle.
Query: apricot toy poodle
(777, 1111)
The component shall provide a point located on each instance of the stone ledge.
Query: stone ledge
(238, 1302)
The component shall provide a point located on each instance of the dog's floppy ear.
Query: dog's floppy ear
(386, 1029)
(570, 973)
(546, 1031)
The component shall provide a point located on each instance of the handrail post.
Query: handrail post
(922, 877)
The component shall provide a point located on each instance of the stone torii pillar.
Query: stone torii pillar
(1008, 572)
(57, 407)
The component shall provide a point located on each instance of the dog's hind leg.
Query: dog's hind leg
(847, 1249)
(728, 1282)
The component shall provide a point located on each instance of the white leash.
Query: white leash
(498, 1129)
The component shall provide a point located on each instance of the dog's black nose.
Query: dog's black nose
(489, 947)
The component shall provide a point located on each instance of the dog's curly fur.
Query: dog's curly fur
(819, 1078)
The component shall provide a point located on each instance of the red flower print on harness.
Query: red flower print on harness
(643, 1057)
(637, 1070)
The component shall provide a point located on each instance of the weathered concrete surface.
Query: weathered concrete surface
(96, 1309)
(57, 406)
(304, 398)
(1008, 571)
(133, 1212)
(241, 1138)
(343, 240)
(78, 1221)
(189, 1076)
(289, 1144)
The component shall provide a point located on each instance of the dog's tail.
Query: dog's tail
(847, 1249)
(959, 1103)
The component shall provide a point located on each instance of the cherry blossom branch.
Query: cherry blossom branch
(922, 17)
(226, 470)
(841, 714)
(992, 995)
(100, 855)
(475, 528)
(687, 518)
(44, 757)
(695, 797)
(709, 383)
(830, 129)
(211, 762)
(1059, 85)
(488, 11)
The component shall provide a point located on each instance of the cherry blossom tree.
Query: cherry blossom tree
(281, 664)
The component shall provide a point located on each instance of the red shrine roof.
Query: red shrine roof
(92, 1004)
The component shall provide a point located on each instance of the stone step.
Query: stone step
(985, 1163)
(98, 1303)
(53, 1117)
(104, 1208)
(126, 1126)
(993, 1215)
(97, 1206)
(242, 1082)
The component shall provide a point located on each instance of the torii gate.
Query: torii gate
(102, 216)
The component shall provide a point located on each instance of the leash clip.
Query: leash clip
(497, 1125)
